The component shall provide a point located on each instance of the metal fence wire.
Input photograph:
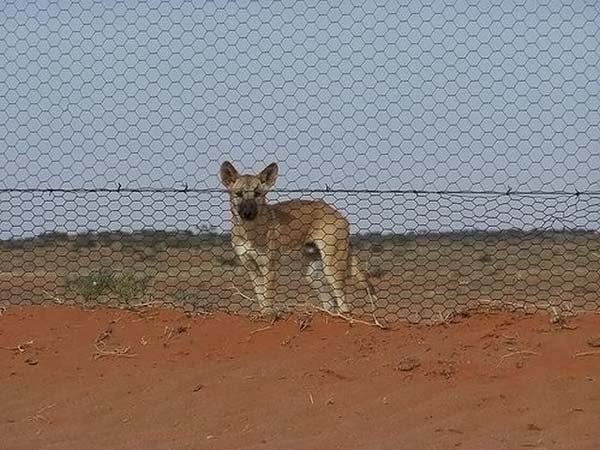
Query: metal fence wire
(459, 141)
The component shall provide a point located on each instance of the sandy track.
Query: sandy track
(501, 381)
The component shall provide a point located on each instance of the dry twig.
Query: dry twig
(119, 352)
(236, 290)
(20, 348)
(556, 316)
(258, 330)
(590, 353)
(38, 415)
(146, 304)
(351, 320)
(167, 333)
(304, 322)
(375, 320)
(444, 318)
(54, 298)
(520, 352)
(104, 336)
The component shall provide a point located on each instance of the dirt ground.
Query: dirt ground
(114, 379)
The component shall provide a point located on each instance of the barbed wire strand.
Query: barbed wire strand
(186, 189)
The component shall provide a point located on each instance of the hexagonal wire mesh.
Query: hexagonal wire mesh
(460, 141)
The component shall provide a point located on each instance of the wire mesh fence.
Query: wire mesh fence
(492, 258)
(459, 140)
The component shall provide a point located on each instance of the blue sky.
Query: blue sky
(348, 94)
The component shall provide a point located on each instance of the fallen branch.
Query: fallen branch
(590, 353)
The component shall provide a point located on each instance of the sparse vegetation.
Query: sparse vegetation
(128, 287)
(91, 286)
(416, 277)
(125, 287)
(205, 236)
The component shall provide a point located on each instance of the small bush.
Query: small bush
(128, 287)
(91, 286)
(125, 287)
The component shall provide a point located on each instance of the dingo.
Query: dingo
(261, 231)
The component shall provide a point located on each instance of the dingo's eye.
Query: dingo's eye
(258, 193)
(239, 194)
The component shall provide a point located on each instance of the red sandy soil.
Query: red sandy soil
(490, 381)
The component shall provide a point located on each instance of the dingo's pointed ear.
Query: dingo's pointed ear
(228, 174)
(268, 176)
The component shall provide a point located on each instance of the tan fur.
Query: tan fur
(269, 229)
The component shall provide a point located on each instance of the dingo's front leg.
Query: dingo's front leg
(265, 285)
